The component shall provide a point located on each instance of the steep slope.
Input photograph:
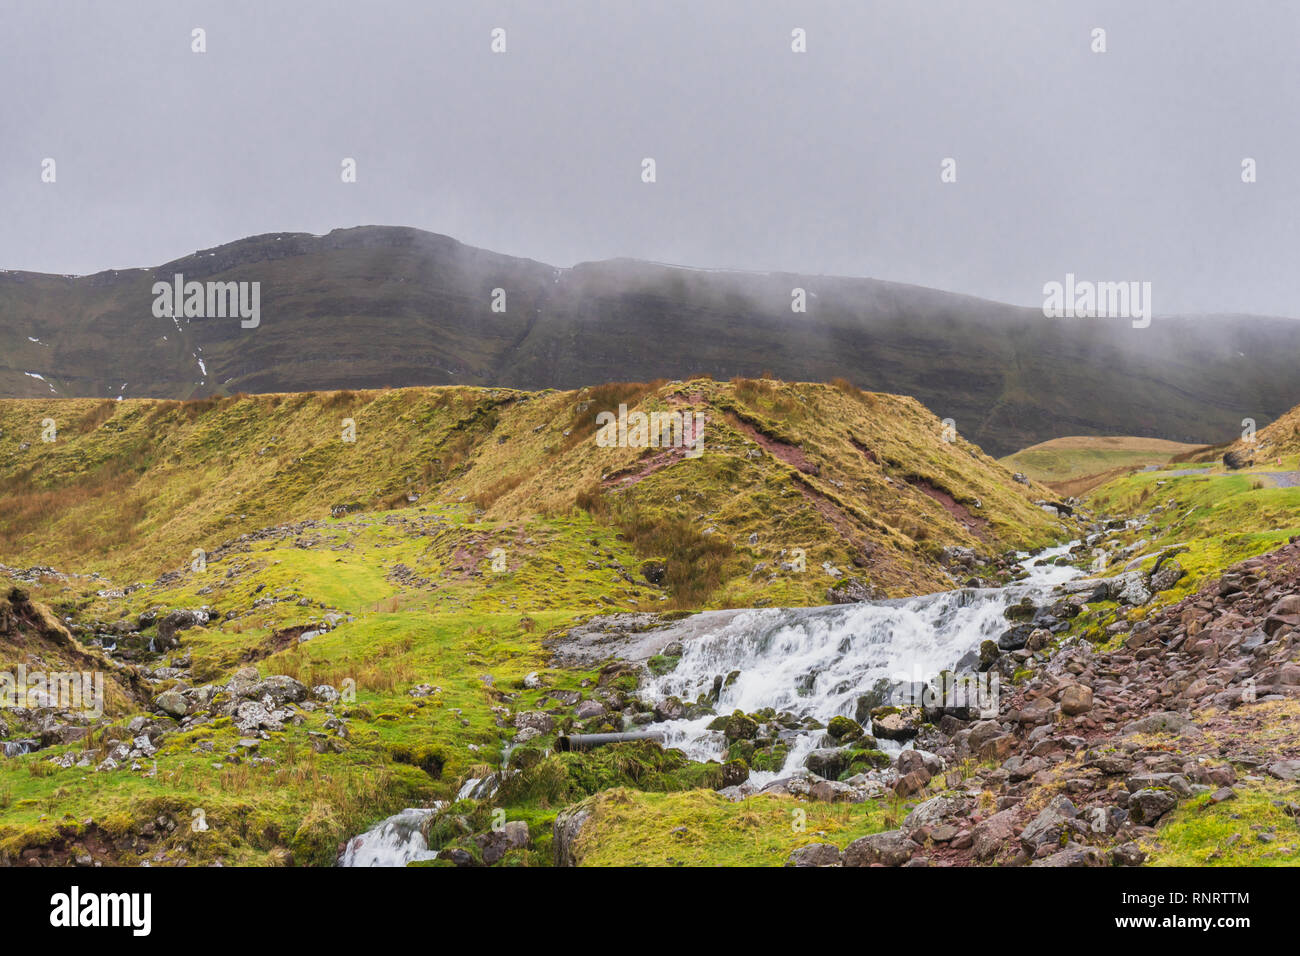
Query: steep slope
(863, 483)
(1280, 440)
(379, 306)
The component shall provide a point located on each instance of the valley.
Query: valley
(318, 649)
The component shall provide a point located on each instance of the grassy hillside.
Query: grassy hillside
(1078, 463)
(862, 481)
(1280, 440)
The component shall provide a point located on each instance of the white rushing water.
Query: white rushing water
(816, 662)
(397, 841)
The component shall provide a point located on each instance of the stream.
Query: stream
(813, 662)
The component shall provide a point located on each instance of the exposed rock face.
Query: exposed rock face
(567, 829)
(177, 620)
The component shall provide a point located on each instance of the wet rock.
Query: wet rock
(844, 729)
(496, 843)
(1015, 638)
(740, 727)
(670, 708)
(828, 762)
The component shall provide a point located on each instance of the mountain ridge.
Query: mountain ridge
(380, 306)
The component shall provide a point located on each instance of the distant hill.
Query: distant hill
(372, 306)
(1078, 463)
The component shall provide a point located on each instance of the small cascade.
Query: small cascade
(817, 662)
(397, 841)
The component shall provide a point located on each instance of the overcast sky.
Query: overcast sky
(1117, 166)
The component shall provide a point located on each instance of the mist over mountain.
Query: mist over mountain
(379, 306)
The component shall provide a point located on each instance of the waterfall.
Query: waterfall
(817, 662)
(397, 841)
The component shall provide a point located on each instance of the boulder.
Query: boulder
(177, 620)
(893, 723)
(541, 722)
(935, 810)
(1162, 722)
(496, 843)
(1131, 588)
(172, 702)
(828, 762)
(670, 708)
(844, 729)
(1169, 574)
(588, 709)
(1072, 854)
(1076, 699)
(1148, 806)
(891, 848)
(991, 835)
(1050, 826)
(815, 854)
(740, 727)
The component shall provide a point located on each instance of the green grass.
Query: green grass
(1062, 459)
(1200, 833)
(1221, 519)
(700, 828)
